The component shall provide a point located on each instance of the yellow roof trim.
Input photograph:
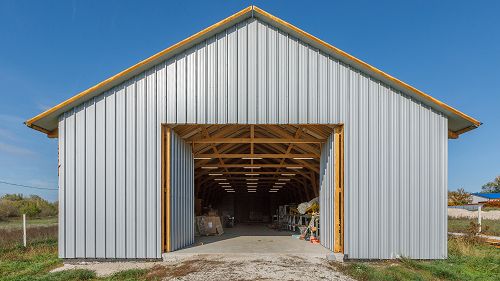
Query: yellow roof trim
(270, 17)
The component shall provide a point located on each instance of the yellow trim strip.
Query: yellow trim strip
(118, 76)
(364, 64)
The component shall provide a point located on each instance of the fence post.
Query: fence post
(479, 217)
(24, 230)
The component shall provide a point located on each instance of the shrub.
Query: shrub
(459, 197)
(8, 209)
(492, 204)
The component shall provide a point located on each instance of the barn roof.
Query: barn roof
(458, 122)
(488, 195)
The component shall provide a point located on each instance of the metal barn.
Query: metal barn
(252, 96)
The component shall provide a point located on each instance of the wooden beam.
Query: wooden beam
(338, 226)
(452, 135)
(256, 155)
(53, 134)
(257, 140)
(252, 165)
(168, 161)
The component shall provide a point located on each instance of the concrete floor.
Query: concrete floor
(253, 239)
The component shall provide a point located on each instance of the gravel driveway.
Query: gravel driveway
(225, 267)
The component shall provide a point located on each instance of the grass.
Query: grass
(466, 261)
(35, 261)
(490, 227)
(17, 223)
(14, 236)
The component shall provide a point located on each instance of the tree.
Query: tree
(492, 187)
(459, 197)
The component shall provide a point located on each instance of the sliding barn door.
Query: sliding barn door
(178, 192)
(331, 193)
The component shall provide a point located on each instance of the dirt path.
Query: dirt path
(227, 267)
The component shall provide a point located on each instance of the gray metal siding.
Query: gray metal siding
(182, 193)
(395, 147)
(327, 194)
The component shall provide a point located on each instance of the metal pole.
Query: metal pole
(479, 217)
(24, 230)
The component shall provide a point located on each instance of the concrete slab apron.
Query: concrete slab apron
(252, 239)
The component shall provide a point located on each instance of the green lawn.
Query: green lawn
(465, 262)
(35, 262)
(35, 222)
(490, 227)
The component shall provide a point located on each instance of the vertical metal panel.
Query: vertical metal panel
(141, 203)
(333, 91)
(90, 179)
(252, 86)
(283, 76)
(181, 107)
(293, 80)
(212, 81)
(182, 193)
(190, 85)
(61, 242)
(327, 189)
(350, 211)
(221, 66)
(110, 152)
(303, 90)
(323, 84)
(100, 173)
(312, 89)
(361, 239)
(120, 193)
(70, 185)
(272, 79)
(373, 176)
(151, 154)
(262, 72)
(242, 73)
(131, 170)
(171, 91)
(232, 72)
(80, 181)
(395, 148)
(201, 83)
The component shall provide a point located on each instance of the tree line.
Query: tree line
(14, 205)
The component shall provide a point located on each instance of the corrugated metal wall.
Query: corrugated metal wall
(182, 193)
(395, 147)
(326, 194)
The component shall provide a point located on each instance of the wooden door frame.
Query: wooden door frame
(166, 143)
(338, 223)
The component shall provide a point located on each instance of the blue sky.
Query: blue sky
(51, 50)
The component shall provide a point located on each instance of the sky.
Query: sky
(51, 50)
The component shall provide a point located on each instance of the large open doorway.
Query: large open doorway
(247, 173)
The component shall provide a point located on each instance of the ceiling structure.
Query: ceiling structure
(256, 158)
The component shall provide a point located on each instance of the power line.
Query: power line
(27, 186)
